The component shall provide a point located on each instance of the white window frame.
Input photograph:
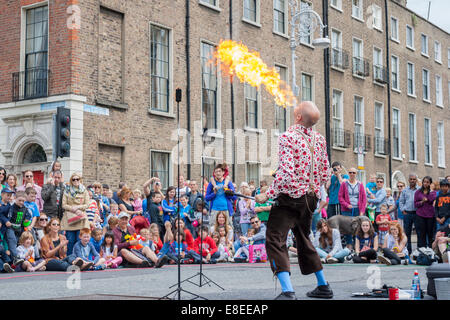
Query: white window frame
(377, 52)
(337, 5)
(360, 10)
(377, 18)
(308, 39)
(256, 23)
(430, 147)
(437, 52)
(258, 111)
(218, 128)
(286, 110)
(425, 53)
(170, 111)
(286, 19)
(414, 159)
(397, 65)
(428, 99)
(361, 111)
(413, 94)
(170, 169)
(206, 3)
(411, 47)
(361, 54)
(396, 38)
(399, 134)
(252, 163)
(441, 144)
(380, 129)
(439, 91)
(337, 116)
(312, 85)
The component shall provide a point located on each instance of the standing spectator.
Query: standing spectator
(125, 203)
(379, 197)
(382, 221)
(390, 202)
(183, 188)
(366, 243)
(194, 195)
(426, 221)
(169, 205)
(352, 196)
(75, 203)
(2, 178)
(155, 212)
(333, 186)
(442, 205)
(11, 182)
(28, 181)
(408, 208)
(327, 242)
(262, 210)
(219, 200)
(246, 210)
(52, 195)
(399, 213)
(56, 166)
(115, 195)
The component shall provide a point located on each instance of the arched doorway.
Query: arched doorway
(34, 153)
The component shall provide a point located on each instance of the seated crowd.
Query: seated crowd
(65, 224)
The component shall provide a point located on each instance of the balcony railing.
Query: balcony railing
(30, 84)
(362, 140)
(341, 138)
(379, 74)
(381, 146)
(339, 58)
(361, 67)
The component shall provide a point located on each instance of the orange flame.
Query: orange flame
(235, 58)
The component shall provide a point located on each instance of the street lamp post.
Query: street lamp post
(304, 22)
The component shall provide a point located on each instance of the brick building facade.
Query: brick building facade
(116, 65)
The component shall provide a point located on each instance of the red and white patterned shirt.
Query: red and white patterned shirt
(294, 167)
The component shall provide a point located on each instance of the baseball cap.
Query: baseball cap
(123, 214)
(7, 190)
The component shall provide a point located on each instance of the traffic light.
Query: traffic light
(63, 132)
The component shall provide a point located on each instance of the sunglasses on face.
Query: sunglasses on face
(254, 222)
(380, 181)
(76, 179)
(43, 219)
(28, 176)
(55, 224)
(351, 172)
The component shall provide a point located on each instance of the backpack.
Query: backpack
(257, 253)
(424, 256)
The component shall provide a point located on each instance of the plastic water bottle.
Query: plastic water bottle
(416, 286)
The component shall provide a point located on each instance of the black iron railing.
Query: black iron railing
(379, 74)
(361, 67)
(381, 146)
(339, 58)
(341, 138)
(362, 140)
(30, 84)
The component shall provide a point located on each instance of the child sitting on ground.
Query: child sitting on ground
(97, 239)
(145, 233)
(155, 237)
(85, 250)
(113, 222)
(225, 255)
(25, 251)
(242, 254)
(108, 251)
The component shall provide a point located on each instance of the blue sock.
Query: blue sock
(320, 278)
(285, 281)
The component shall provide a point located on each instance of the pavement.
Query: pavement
(240, 281)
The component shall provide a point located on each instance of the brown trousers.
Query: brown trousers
(296, 214)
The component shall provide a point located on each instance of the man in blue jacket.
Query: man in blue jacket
(219, 200)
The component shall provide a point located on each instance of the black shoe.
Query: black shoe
(144, 264)
(161, 261)
(323, 291)
(18, 261)
(287, 295)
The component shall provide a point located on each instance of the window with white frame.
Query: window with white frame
(377, 64)
(358, 61)
(280, 16)
(336, 4)
(357, 9)
(426, 85)
(437, 51)
(358, 105)
(412, 137)
(424, 44)
(409, 37)
(306, 39)
(336, 48)
(441, 144)
(209, 86)
(379, 128)
(394, 28)
(377, 17)
(251, 106)
(307, 87)
(280, 112)
(394, 73)
(427, 133)
(361, 176)
(212, 3)
(410, 79)
(396, 142)
(338, 122)
(439, 95)
(160, 167)
(253, 170)
(160, 68)
(251, 10)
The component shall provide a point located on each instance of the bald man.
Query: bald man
(303, 168)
